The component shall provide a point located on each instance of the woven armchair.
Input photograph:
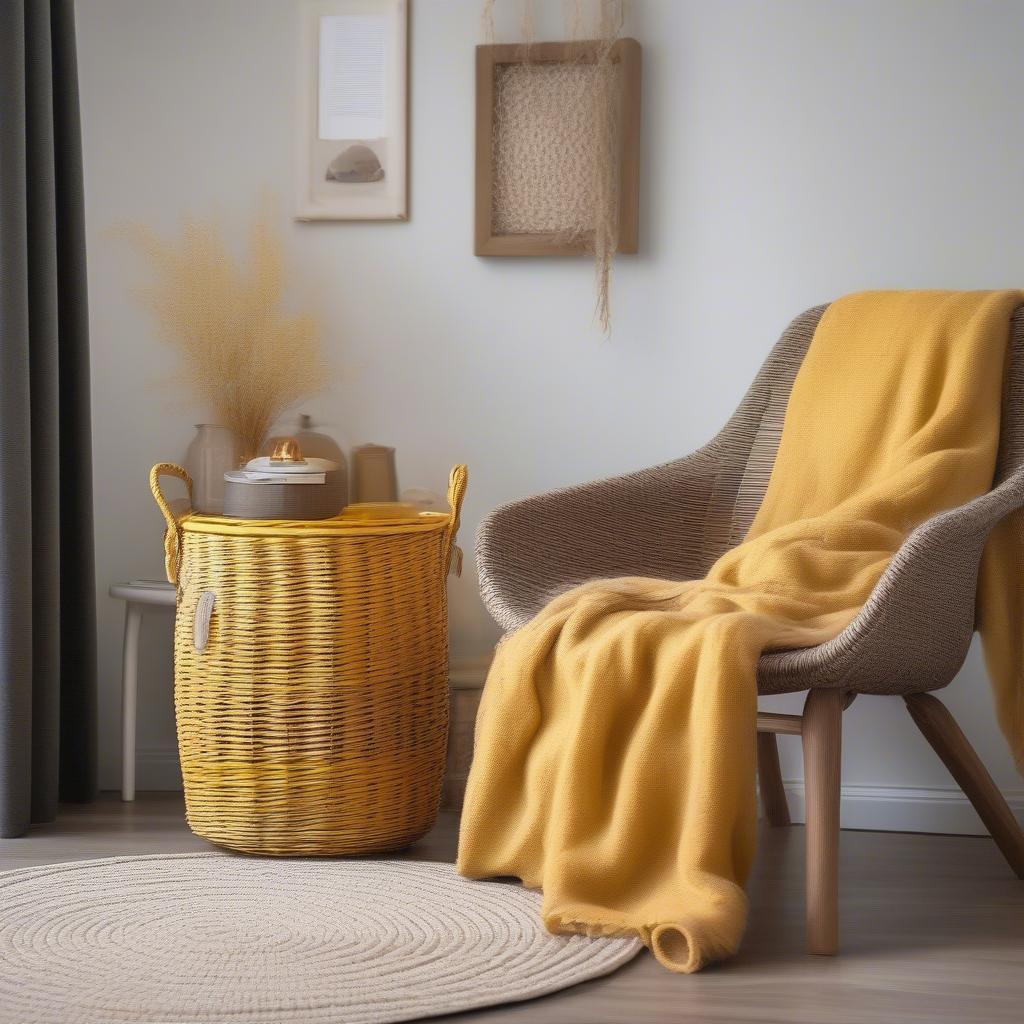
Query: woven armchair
(673, 521)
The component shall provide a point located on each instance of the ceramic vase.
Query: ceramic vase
(315, 445)
(373, 474)
(212, 453)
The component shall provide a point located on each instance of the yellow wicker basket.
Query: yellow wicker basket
(311, 676)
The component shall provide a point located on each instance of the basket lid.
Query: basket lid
(381, 512)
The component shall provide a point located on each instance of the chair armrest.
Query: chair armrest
(647, 523)
(913, 632)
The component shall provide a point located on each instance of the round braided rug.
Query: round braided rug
(211, 937)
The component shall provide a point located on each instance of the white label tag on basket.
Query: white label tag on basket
(201, 624)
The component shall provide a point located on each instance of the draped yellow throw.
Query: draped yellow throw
(615, 754)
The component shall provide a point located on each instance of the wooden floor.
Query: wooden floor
(932, 929)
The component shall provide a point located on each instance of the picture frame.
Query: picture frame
(489, 238)
(352, 130)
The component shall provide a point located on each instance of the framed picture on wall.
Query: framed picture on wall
(353, 121)
(538, 114)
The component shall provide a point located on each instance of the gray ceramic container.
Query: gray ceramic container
(244, 500)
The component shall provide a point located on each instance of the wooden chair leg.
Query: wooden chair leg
(948, 741)
(822, 736)
(769, 779)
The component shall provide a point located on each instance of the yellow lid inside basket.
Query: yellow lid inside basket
(380, 511)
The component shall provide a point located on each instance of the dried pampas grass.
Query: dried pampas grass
(242, 354)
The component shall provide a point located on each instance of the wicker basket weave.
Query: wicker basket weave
(311, 687)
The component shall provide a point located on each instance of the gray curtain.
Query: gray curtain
(47, 594)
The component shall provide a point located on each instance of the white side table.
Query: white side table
(136, 595)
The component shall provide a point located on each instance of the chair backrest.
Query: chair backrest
(748, 443)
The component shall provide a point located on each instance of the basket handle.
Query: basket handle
(172, 535)
(457, 481)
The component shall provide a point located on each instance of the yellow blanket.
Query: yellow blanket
(614, 763)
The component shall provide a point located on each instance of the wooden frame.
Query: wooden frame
(488, 58)
(318, 196)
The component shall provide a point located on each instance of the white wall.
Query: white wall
(792, 151)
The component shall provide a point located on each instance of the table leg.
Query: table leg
(129, 697)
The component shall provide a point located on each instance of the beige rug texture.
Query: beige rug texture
(212, 937)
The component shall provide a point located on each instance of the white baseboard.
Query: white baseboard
(905, 808)
(157, 768)
(469, 673)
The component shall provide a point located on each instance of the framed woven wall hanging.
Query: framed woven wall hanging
(557, 148)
